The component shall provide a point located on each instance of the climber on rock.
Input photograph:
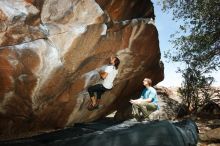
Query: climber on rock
(147, 103)
(107, 76)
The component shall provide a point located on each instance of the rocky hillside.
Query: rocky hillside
(207, 119)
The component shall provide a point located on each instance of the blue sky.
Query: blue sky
(166, 26)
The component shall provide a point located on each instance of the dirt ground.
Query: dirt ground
(205, 126)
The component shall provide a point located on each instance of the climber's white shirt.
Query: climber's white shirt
(112, 72)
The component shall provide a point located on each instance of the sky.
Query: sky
(166, 26)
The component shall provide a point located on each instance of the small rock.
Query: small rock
(211, 135)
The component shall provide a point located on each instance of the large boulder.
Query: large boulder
(108, 133)
(50, 52)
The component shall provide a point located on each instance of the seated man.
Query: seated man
(147, 103)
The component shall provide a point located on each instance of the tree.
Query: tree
(195, 89)
(201, 39)
(197, 45)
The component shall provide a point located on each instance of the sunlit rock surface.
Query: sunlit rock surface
(50, 52)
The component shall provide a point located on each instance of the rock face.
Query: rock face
(50, 52)
(110, 133)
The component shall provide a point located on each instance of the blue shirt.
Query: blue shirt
(150, 92)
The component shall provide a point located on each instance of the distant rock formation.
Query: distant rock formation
(172, 107)
(50, 52)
